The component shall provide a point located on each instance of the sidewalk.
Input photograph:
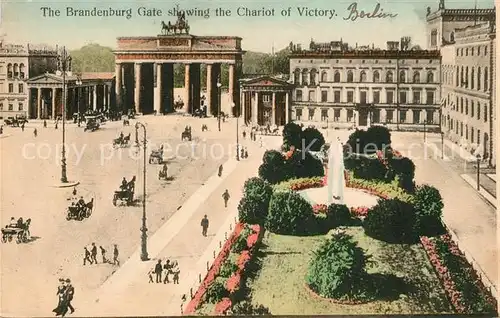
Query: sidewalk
(127, 292)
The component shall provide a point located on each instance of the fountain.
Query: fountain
(335, 177)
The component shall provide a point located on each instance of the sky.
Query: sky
(23, 21)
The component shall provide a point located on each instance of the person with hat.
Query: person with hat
(93, 252)
(62, 307)
(115, 256)
(69, 293)
(87, 258)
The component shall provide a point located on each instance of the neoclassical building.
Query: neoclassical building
(345, 87)
(468, 49)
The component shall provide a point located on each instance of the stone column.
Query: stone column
(243, 107)
(423, 116)
(208, 99)
(157, 89)
(104, 96)
(187, 88)
(255, 109)
(343, 115)
(28, 107)
(54, 103)
(231, 83)
(383, 115)
(38, 103)
(287, 107)
(95, 96)
(137, 88)
(118, 85)
(273, 112)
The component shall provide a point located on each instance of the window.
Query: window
(466, 106)
(467, 52)
(298, 96)
(402, 97)
(376, 116)
(472, 78)
(389, 114)
(350, 77)
(10, 71)
(402, 76)
(11, 88)
(485, 86)
(1, 106)
(461, 129)
(336, 115)
(402, 116)
(296, 76)
(324, 96)
(479, 78)
(389, 77)
(376, 77)
(21, 71)
(430, 117)
(376, 97)
(478, 51)
(485, 50)
(466, 132)
(416, 77)
(457, 77)
(466, 77)
(336, 96)
(389, 96)
(324, 114)
(362, 97)
(350, 115)
(16, 70)
(21, 88)
(416, 97)
(305, 77)
(461, 76)
(478, 111)
(452, 37)
(11, 107)
(298, 113)
(461, 105)
(362, 77)
(472, 112)
(324, 77)
(312, 94)
(430, 98)
(478, 136)
(430, 77)
(20, 106)
(336, 77)
(416, 116)
(472, 134)
(350, 97)
(485, 117)
(434, 34)
(266, 98)
(313, 77)
(311, 113)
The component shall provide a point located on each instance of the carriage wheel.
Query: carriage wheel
(81, 215)
(68, 217)
(4, 238)
(9, 237)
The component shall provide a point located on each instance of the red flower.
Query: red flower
(243, 259)
(255, 228)
(223, 306)
(252, 239)
(361, 211)
(319, 208)
(233, 282)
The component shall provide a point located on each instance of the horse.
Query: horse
(89, 206)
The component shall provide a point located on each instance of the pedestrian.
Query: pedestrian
(167, 267)
(244, 134)
(44, 123)
(115, 255)
(56, 124)
(22, 126)
(246, 153)
(220, 170)
(35, 133)
(204, 225)
(93, 251)
(226, 197)
(242, 151)
(158, 270)
(150, 275)
(175, 271)
(62, 307)
(70, 292)
(74, 191)
(176, 276)
(260, 141)
(103, 254)
(86, 258)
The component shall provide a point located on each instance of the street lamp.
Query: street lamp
(478, 161)
(78, 83)
(237, 133)
(425, 131)
(64, 65)
(219, 85)
(144, 229)
(442, 145)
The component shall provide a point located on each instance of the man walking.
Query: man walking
(115, 256)
(35, 132)
(204, 225)
(226, 197)
(220, 170)
(158, 270)
(86, 258)
(93, 251)
(70, 292)
(167, 267)
(103, 254)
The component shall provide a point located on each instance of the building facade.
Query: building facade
(346, 88)
(17, 64)
(468, 47)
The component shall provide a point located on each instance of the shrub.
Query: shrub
(379, 135)
(254, 205)
(404, 168)
(273, 168)
(290, 214)
(428, 206)
(241, 242)
(228, 268)
(313, 137)
(356, 141)
(304, 165)
(245, 308)
(217, 290)
(369, 169)
(337, 269)
(392, 221)
(369, 141)
(292, 136)
(338, 215)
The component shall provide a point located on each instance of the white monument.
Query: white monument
(335, 178)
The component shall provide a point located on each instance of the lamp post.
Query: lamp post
(425, 131)
(442, 145)
(237, 133)
(478, 161)
(64, 64)
(144, 229)
(78, 83)
(219, 85)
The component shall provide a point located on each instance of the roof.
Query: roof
(49, 78)
(265, 81)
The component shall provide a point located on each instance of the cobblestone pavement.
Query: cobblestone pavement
(57, 246)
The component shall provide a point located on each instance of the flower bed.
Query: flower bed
(300, 184)
(380, 189)
(320, 208)
(461, 282)
(359, 212)
(233, 283)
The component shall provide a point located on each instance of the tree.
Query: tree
(273, 168)
(290, 214)
(292, 136)
(304, 165)
(254, 205)
(428, 205)
(313, 137)
(93, 58)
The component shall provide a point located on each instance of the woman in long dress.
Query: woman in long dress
(62, 306)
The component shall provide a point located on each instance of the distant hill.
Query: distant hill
(97, 58)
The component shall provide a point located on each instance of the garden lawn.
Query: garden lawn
(410, 284)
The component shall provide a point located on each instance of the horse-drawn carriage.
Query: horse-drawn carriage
(121, 141)
(19, 230)
(163, 173)
(126, 192)
(186, 134)
(266, 130)
(156, 156)
(92, 124)
(17, 121)
(80, 210)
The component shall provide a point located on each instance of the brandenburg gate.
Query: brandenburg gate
(145, 69)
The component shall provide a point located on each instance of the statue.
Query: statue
(336, 179)
(441, 4)
(428, 10)
(180, 25)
